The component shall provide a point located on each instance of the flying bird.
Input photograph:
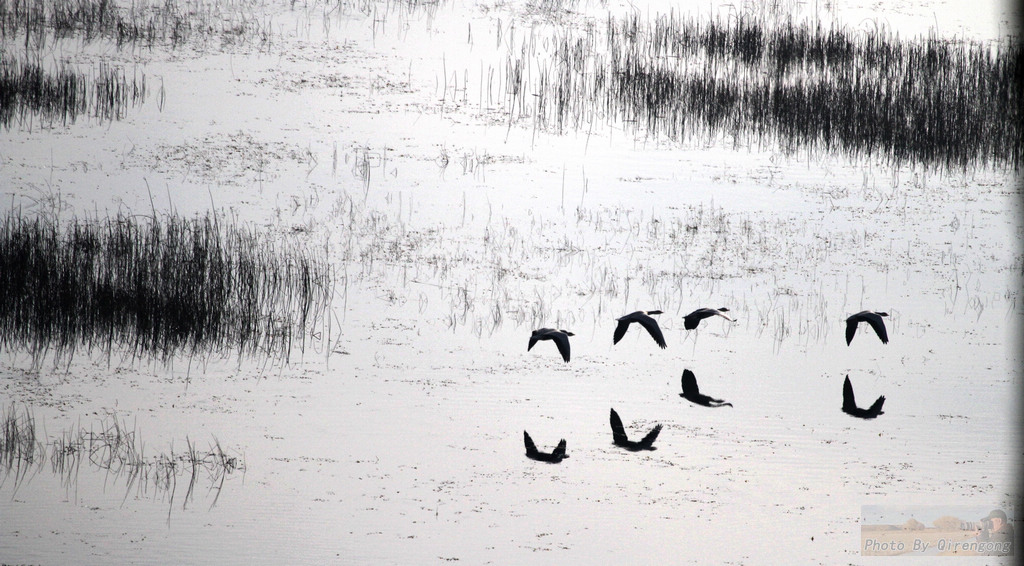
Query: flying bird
(560, 338)
(871, 317)
(645, 320)
(619, 436)
(850, 405)
(692, 393)
(691, 320)
(556, 455)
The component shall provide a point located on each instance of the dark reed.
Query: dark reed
(161, 287)
(20, 449)
(33, 95)
(942, 103)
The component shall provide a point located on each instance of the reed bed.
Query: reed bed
(945, 104)
(162, 286)
(170, 22)
(31, 94)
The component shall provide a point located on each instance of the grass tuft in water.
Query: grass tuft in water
(116, 449)
(20, 450)
(30, 94)
(160, 287)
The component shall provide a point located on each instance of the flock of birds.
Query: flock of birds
(691, 392)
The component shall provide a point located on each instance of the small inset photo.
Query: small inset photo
(935, 530)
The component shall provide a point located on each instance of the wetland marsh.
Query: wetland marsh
(270, 271)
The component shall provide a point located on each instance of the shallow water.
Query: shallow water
(400, 439)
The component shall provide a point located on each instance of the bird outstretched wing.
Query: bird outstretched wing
(689, 382)
(876, 408)
(531, 448)
(652, 327)
(562, 341)
(648, 440)
(878, 324)
(559, 451)
(620, 331)
(849, 403)
(691, 320)
(618, 431)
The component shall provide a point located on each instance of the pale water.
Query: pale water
(398, 438)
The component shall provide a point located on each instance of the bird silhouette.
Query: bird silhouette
(560, 338)
(620, 439)
(643, 317)
(692, 393)
(556, 455)
(691, 320)
(871, 317)
(850, 405)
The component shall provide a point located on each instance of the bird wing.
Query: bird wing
(652, 326)
(560, 449)
(533, 340)
(878, 324)
(876, 408)
(620, 330)
(851, 328)
(531, 448)
(689, 383)
(562, 341)
(691, 320)
(848, 401)
(648, 440)
(618, 431)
